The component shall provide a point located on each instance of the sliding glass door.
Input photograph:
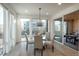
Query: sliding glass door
(13, 31)
(9, 31)
(1, 30)
(25, 28)
(58, 30)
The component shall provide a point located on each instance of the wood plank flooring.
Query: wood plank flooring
(59, 50)
(20, 50)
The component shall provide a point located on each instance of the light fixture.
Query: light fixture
(46, 13)
(26, 11)
(39, 23)
(14, 21)
(59, 3)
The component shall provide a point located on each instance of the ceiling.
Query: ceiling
(31, 9)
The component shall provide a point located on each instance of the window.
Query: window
(25, 26)
(1, 30)
(9, 36)
(58, 29)
(36, 28)
(57, 25)
(30, 27)
(7, 30)
(13, 30)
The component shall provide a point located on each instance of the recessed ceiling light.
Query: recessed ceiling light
(14, 21)
(46, 13)
(26, 11)
(59, 3)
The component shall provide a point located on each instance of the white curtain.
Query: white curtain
(9, 31)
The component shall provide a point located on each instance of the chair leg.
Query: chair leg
(41, 52)
(34, 52)
(27, 46)
(52, 48)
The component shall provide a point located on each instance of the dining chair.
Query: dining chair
(47, 36)
(49, 43)
(38, 44)
(28, 41)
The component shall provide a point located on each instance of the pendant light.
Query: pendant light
(39, 23)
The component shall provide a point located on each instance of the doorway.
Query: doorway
(72, 35)
(58, 29)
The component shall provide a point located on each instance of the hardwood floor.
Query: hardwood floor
(20, 50)
(59, 50)
(67, 51)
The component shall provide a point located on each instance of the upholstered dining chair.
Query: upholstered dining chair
(49, 43)
(38, 44)
(28, 41)
(47, 36)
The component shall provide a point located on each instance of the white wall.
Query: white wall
(50, 28)
(18, 30)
